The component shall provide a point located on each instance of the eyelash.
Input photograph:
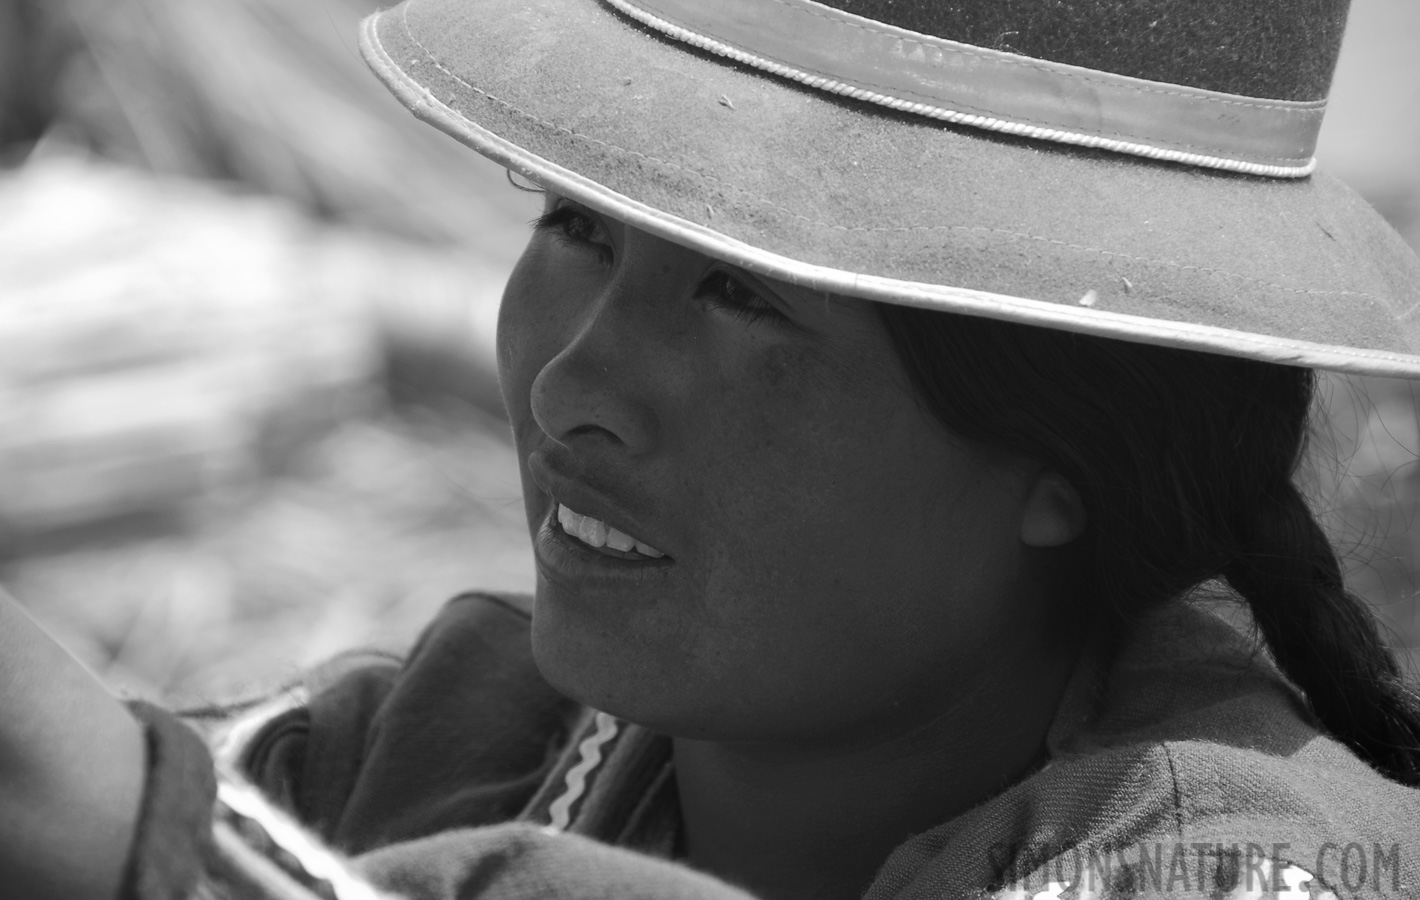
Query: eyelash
(733, 296)
(719, 287)
(575, 226)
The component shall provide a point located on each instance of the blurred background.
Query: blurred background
(248, 414)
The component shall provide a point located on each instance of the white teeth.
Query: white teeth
(618, 540)
(597, 533)
(593, 531)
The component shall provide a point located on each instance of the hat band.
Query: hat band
(846, 54)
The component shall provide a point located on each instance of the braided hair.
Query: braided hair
(1185, 463)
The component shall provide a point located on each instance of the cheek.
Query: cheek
(834, 604)
(543, 305)
(523, 348)
(532, 321)
(805, 447)
(847, 509)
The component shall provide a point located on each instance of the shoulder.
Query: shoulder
(1306, 808)
(1200, 751)
(370, 749)
(494, 627)
(469, 692)
(1180, 765)
(1198, 818)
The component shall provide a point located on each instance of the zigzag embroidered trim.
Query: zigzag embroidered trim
(560, 812)
(954, 117)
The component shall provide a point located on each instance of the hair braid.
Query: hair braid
(1323, 638)
(1184, 461)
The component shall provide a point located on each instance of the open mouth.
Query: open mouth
(603, 538)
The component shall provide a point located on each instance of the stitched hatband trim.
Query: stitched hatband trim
(844, 54)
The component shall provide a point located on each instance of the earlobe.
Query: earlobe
(1054, 514)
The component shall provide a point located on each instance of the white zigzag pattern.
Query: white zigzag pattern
(560, 812)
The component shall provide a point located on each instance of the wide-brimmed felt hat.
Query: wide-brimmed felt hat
(1137, 169)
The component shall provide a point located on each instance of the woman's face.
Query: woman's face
(791, 549)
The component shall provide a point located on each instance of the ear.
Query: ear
(1054, 514)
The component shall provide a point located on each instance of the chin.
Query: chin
(609, 676)
(588, 665)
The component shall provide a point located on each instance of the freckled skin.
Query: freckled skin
(842, 564)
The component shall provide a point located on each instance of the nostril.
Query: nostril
(589, 429)
(573, 403)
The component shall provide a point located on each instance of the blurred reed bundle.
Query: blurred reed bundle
(222, 245)
(153, 335)
(270, 94)
(328, 233)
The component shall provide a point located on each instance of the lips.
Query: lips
(586, 518)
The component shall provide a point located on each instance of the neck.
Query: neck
(819, 820)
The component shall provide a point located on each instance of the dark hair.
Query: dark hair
(1185, 462)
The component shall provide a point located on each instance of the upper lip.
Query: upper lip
(576, 495)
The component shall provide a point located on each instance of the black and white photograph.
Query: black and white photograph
(709, 450)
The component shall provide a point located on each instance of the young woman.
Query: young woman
(895, 386)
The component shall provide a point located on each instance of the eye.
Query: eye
(729, 293)
(576, 226)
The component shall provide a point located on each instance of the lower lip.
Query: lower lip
(562, 557)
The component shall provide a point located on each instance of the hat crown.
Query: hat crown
(1166, 79)
(804, 142)
(1280, 49)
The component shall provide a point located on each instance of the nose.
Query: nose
(580, 396)
(611, 380)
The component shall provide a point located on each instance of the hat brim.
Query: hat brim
(817, 190)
